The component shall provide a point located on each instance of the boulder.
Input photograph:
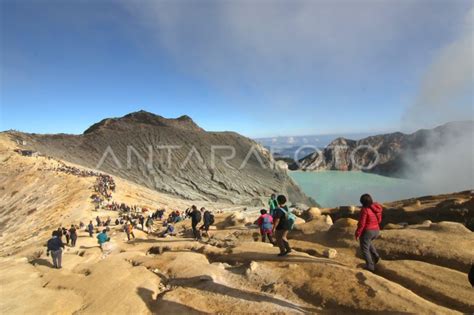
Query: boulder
(237, 218)
(328, 219)
(301, 206)
(347, 210)
(299, 221)
(330, 253)
(450, 227)
(344, 223)
(313, 213)
(392, 226)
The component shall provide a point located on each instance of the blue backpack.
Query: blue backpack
(266, 224)
(290, 219)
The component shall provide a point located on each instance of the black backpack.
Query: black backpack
(211, 219)
(197, 216)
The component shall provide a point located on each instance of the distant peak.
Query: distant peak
(144, 117)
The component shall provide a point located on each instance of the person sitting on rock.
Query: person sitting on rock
(368, 230)
(281, 226)
(55, 247)
(265, 222)
(168, 231)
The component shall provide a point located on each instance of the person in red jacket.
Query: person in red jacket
(368, 230)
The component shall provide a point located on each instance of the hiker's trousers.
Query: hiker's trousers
(57, 257)
(368, 250)
(282, 241)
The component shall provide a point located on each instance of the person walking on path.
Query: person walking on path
(73, 235)
(90, 228)
(149, 224)
(55, 247)
(66, 234)
(102, 238)
(265, 222)
(368, 230)
(128, 228)
(195, 219)
(281, 226)
(208, 220)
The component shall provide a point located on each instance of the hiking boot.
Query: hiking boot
(282, 254)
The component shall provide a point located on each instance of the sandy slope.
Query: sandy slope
(422, 271)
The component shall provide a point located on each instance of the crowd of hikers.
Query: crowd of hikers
(104, 186)
(274, 223)
(71, 170)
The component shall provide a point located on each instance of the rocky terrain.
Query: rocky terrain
(394, 150)
(174, 156)
(423, 268)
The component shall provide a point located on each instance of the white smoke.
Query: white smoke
(446, 94)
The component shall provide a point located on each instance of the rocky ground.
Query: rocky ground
(423, 268)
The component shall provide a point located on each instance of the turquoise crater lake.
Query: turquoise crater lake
(337, 188)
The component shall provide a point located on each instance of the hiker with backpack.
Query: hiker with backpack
(272, 204)
(283, 222)
(368, 230)
(195, 219)
(55, 247)
(208, 219)
(265, 222)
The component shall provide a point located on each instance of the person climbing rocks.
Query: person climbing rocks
(195, 219)
(97, 219)
(265, 222)
(102, 238)
(90, 228)
(368, 230)
(55, 247)
(149, 224)
(272, 204)
(73, 235)
(128, 228)
(208, 220)
(281, 226)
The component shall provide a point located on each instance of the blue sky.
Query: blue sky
(261, 68)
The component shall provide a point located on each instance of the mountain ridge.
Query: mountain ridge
(394, 150)
(174, 156)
